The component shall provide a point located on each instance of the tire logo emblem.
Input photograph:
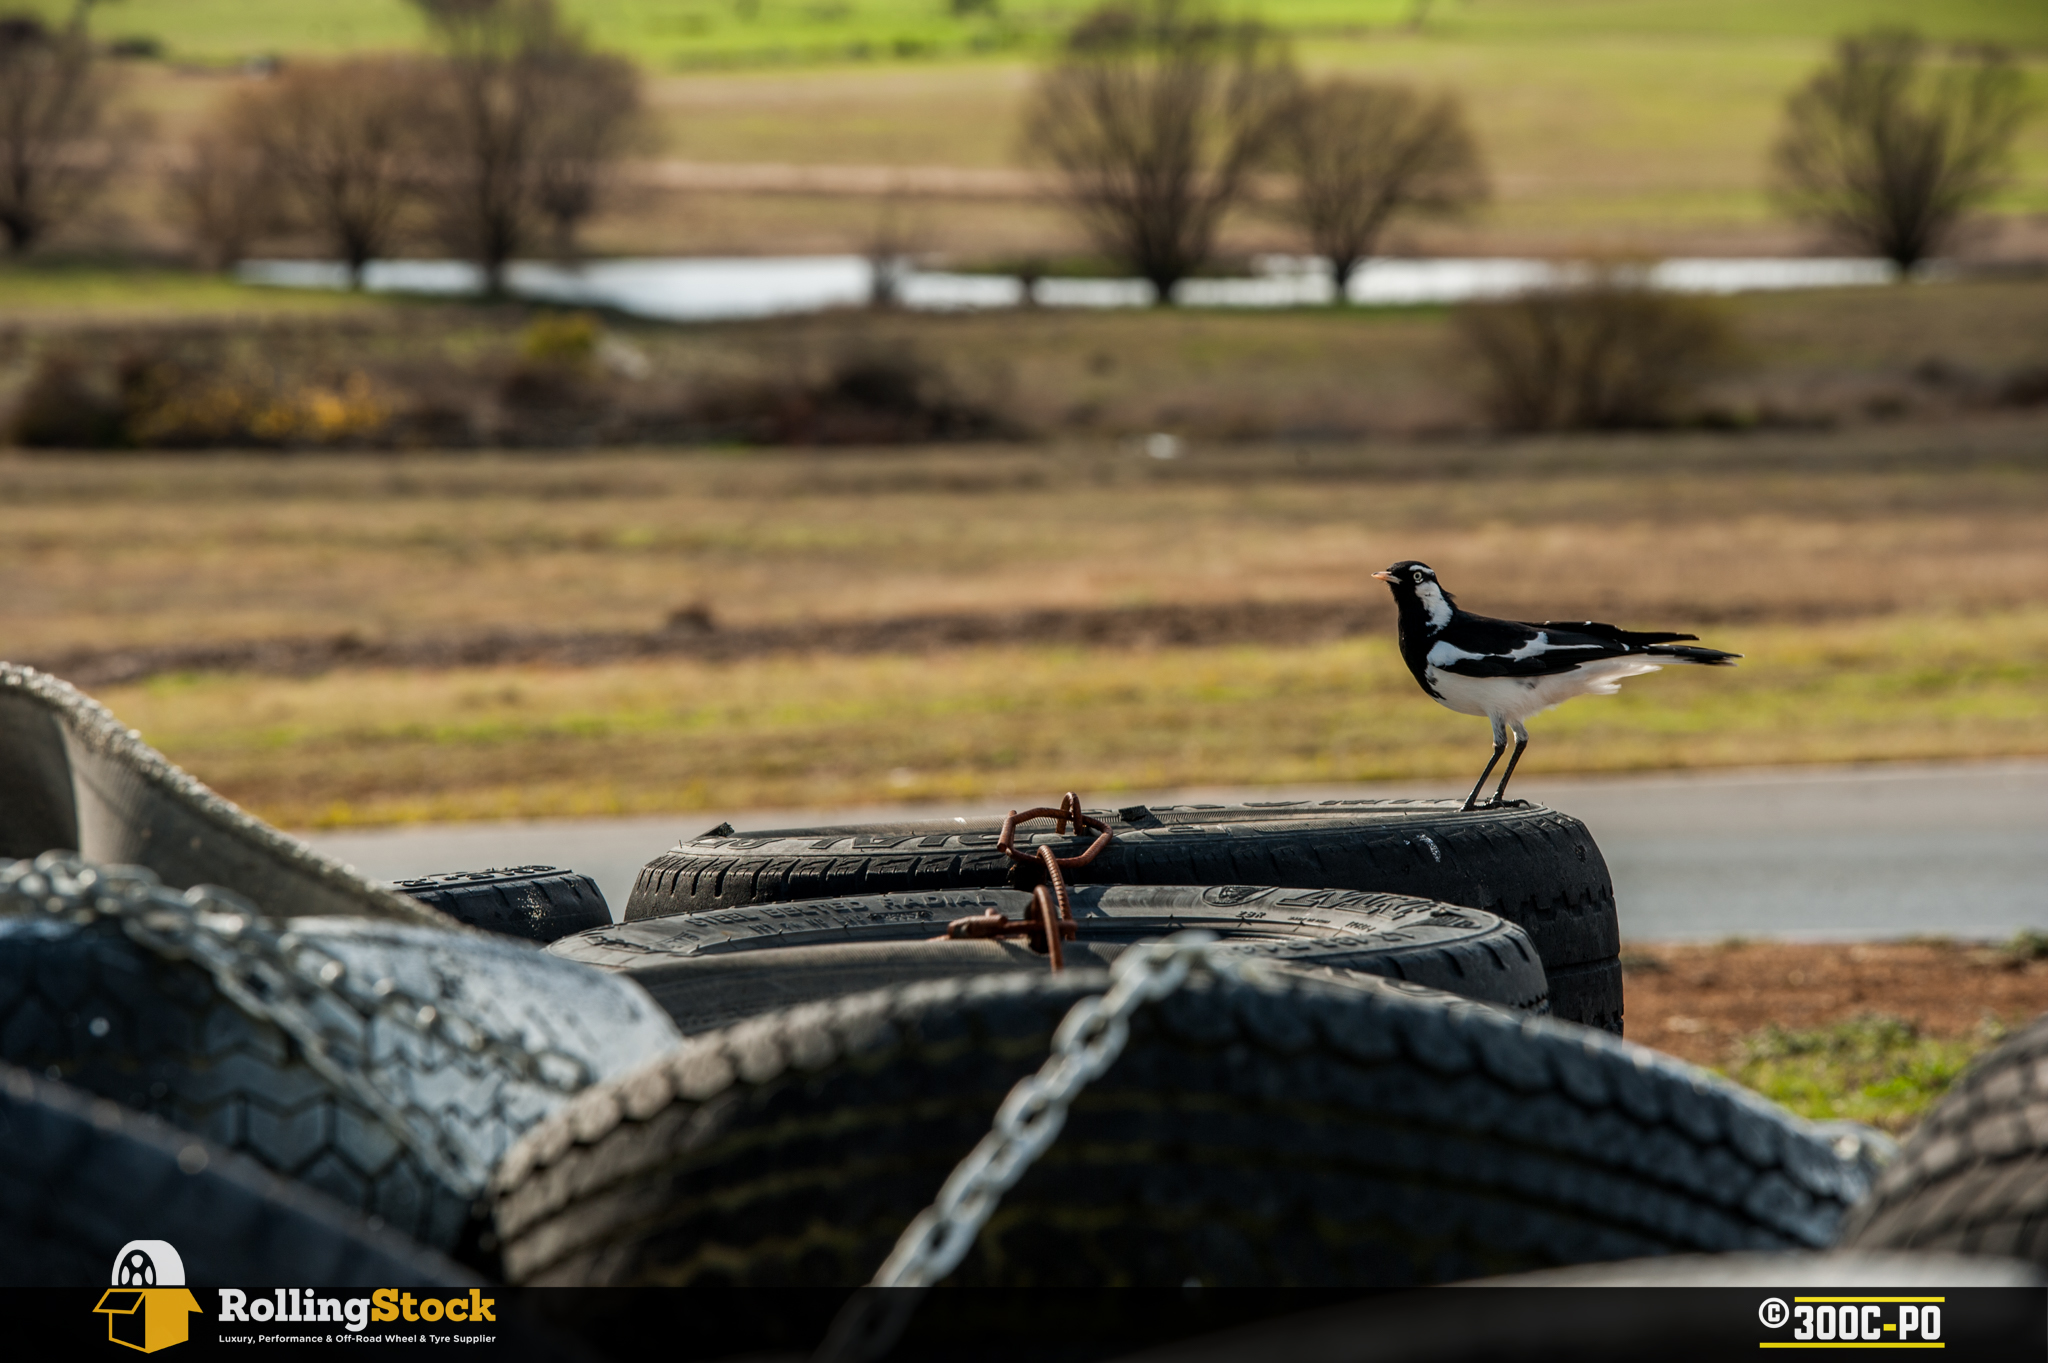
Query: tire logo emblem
(147, 1306)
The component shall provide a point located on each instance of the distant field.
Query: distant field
(1886, 584)
(1223, 377)
(111, 551)
(812, 30)
(1608, 125)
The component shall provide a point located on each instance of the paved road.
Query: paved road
(1850, 852)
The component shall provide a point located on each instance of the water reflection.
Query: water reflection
(710, 288)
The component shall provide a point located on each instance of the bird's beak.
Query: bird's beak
(1384, 576)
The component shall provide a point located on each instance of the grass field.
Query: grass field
(107, 551)
(1608, 126)
(39, 293)
(1886, 585)
(372, 747)
(769, 30)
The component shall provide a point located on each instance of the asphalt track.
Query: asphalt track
(1958, 850)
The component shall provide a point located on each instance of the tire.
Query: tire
(1537, 868)
(85, 1004)
(1973, 1178)
(1249, 1135)
(84, 1176)
(79, 779)
(712, 969)
(538, 903)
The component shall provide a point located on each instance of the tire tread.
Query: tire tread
(1366, 1138)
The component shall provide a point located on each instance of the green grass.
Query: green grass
(1872, 1068)
(689, 31)
(40, 290)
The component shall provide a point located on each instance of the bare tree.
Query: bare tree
(591, 118)
(1888, 152)
(57, 144)
(224, 195)
(528, 116)
(891, 247)
(1156, 113)
(1361, 153)
(343, 138)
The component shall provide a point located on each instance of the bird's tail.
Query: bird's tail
(1685, 653)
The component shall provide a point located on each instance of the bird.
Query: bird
(1508, 670)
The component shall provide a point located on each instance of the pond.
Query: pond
(709, 288)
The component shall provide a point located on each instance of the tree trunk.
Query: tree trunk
(21, 233)
(1341, 270)
(498, 239)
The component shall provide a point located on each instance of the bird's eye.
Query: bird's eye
(1418, 577)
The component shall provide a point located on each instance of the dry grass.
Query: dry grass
(105, 551)
(373, 747)
(1886, 579)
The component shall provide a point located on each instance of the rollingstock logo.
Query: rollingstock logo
(148, 1305)
(1852, 1322)
(299, 1306)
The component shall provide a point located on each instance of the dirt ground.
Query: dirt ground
(1698, 1001)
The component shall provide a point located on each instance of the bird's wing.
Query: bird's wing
(1475, 646)
(1593, 629)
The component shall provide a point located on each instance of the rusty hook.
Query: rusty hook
(1069, 811)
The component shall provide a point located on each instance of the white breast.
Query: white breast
(1510, 698)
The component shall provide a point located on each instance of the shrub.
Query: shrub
(1610, 355)
(870, 395)
(63, 408)
(568, 339)
(150, 401)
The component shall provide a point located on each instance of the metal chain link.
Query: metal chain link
(284, 978)
(1089, 1040)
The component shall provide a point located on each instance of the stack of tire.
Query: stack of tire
(768, 1068)
(1532, 867)
(1391, 1107)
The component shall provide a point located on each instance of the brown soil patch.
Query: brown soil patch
(694, 633)
(1696, 1002)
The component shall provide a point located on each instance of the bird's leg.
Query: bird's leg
(1521, 742)
(1500, 745)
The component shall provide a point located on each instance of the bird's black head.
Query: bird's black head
(1421, 600)
(1407, 575)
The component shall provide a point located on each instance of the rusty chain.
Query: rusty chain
(1088, 1041)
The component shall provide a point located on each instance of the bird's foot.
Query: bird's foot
(1497, 803)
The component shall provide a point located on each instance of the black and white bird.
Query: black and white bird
(1508, 670)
